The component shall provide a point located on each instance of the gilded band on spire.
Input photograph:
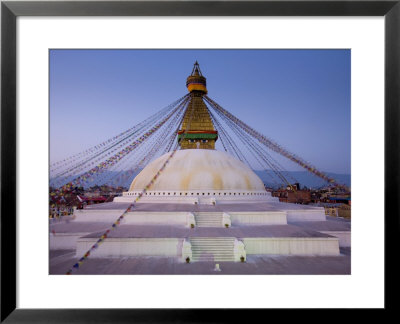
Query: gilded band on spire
(196, 81)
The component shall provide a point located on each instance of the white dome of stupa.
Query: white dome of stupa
(199, 169)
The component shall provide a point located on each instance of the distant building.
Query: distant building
(293, 196)
(294, 186)
(340, 199)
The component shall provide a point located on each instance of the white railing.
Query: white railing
(186, 251)
(226, 220)
(239, 251)
(190, 220)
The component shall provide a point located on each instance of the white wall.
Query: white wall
(125, 247)
(299, 215)
(159, 218)
(97, 215)
(64, 241)
(294, 246)
(264, 218)
(344, 237)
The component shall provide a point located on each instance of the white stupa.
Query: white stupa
(198, 176)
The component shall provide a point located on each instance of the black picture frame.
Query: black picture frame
(10, 10)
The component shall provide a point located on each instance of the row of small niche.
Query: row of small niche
(203, 194)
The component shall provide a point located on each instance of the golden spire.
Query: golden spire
(197, 129)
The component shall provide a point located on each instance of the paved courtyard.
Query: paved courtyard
(62, 260)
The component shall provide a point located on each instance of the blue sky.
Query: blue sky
(298, 98)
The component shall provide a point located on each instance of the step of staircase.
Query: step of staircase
(212, 259)
(198, 245)
(208, 219)
(212, 248)
(209, 216)
(208, 213)
(210, 238)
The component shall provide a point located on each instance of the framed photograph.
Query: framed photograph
(273, 166)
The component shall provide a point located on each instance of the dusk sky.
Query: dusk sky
(298, 98)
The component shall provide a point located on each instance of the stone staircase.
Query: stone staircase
(212, 248)
(208, 219)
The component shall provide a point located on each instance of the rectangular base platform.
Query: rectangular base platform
(132, 240)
